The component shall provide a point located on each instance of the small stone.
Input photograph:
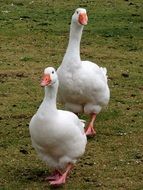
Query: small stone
(126, 75)
(23, 151)
(131, 3)
(138, 156)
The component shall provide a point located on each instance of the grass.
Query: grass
(34, 35)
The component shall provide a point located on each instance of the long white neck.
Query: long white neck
(49, 102)
(73, 49)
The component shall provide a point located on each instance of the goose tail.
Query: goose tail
(104, 70)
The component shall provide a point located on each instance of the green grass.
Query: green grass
(34, 35)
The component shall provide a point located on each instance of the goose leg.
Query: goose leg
(62, 179)
(90, 131)
(56, 175)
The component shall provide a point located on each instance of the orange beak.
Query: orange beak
(83, 19)
(46, 80)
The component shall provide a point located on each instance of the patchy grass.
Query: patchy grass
(34, 35)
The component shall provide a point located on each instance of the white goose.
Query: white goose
(57, 136)
(83, 85)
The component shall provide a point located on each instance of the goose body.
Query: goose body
(84, 91)
(57, 136)
(83, 86)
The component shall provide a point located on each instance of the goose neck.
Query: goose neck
(74, 39)
(49, 101)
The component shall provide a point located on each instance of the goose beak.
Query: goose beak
(46, 80)
(83, 19)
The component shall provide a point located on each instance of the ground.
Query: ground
(34, 35)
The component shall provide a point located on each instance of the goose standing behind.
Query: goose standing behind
(57, 136)
(83, 85)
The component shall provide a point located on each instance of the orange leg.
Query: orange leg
(62, 179)
(56, 175)
(90, 131)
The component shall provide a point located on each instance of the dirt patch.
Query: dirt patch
(12, 74)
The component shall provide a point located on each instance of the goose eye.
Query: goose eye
(77, 12)
(52, 72)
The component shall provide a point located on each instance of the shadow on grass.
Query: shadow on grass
(34, 175)
(28, 174)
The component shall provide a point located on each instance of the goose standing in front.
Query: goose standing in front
(83, 86)
(58, 136)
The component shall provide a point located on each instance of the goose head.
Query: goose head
(49, 77)
(80, 16)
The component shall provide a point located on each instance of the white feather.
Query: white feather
(57, 136)
(83, 85)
